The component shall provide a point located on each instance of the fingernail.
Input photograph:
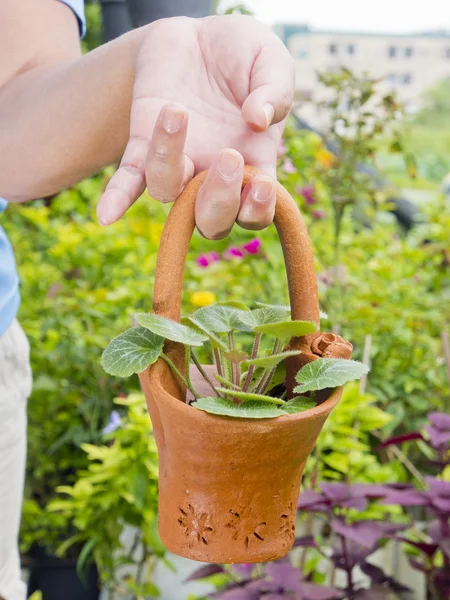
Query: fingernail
(262, 190)
(172, 119)
(269, 112)
(229, 163)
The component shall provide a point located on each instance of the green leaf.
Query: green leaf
(267, 362)
(328, 373)
(286, 308)
(247, 410)
(248, 396)
(214, 339)
(260, 316)
(217, 319)
(132, 352)
(287, 329)
(171, 330)
(296, 405)
(233, 304)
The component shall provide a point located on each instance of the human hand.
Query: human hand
(232, 79)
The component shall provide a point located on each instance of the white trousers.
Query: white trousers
(15, 387)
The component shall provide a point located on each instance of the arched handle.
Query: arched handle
(294, 239)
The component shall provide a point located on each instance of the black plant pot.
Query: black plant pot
(58, 579)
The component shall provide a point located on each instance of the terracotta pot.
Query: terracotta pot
(228, 487)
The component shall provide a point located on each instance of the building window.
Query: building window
(333, 49)
(409, 51)
(407, 79)
(392, 52)
(302, 53)
(351, 49)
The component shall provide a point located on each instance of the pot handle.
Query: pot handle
(294, 239)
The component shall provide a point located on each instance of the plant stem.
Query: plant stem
(348, 569)
(266, 377)
(183, 380)
(237, 375)
(231, 340)
(233, 366)
(251, 368)
(218, 361)
(203, 373)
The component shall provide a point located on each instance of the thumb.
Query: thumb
(271, 87)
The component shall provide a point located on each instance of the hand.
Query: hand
(232, 79)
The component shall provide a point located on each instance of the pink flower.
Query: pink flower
(233, 253)
(288, 167)
(309, 194)
(318, 214)
(204, 260)
(253, 246)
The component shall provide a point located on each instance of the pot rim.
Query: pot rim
(154, 379)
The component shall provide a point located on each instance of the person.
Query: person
(167, 100)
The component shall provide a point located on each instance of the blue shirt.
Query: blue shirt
(9, 280)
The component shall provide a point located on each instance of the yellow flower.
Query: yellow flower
(156, 230)
(325, 158)
(202, 298)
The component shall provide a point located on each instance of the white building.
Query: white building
(409, 64)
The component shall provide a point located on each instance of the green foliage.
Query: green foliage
(132, 352)
(118, 489)
(246, 410)
(346, 447)
(328, 373)
(287, 329)
(170, 330)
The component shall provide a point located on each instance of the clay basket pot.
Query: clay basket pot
(228, 487)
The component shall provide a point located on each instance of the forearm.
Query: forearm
(62, 122)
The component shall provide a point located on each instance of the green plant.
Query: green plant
(249, 382)
(117, 490)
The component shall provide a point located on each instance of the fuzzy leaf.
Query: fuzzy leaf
(217, 319)
(132, 352)
(233, 304)
(287, 329)
(171, 330)
(287, 308)
(296, 405)
(248, 396)
(214, 339)
(247, 410)
(328, 373)
(261, 316)
(267, 362)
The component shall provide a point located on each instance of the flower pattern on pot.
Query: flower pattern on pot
(246, 527)
(196, 525)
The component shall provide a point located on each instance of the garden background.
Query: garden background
(92, 464)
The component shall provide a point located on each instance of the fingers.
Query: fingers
(220, 202)
(219, 198)
(167, 169)
(126, 185)
(258, 203)
(161, 161)
(271, 87)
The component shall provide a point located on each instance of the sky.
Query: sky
(394, 16)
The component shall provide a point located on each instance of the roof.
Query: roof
(287, 30)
